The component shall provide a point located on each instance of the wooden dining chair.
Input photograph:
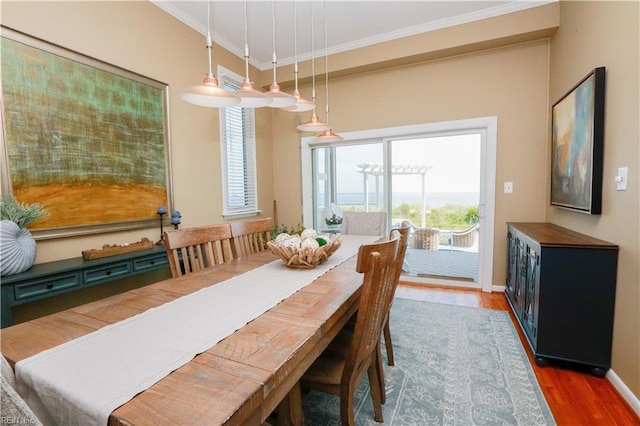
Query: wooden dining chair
(192, 249)
(250, 236)
(347, 333)
(341, 367)
(404, 231)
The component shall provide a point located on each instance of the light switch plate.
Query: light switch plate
(508, 187)
(621, 178)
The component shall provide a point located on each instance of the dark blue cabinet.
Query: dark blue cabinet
(561, 287)
(46, 280)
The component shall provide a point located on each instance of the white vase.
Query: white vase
(17, 248)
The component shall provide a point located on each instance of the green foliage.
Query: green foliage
(284, 229)
(21, 214)
(451, 217)
(472, 215)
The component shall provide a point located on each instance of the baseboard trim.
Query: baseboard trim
(613, 378)
(624, 391)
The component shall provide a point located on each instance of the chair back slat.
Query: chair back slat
(250, 236)
(404, 230)
(193, 249)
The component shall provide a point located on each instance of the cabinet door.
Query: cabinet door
(520, 277)
(512, 264)
(530, 288)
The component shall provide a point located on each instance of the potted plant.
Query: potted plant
(333, 220)
(17, 245)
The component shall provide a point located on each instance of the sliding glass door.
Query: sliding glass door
(435, 187)
(439, 178)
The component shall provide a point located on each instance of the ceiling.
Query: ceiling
(350, 24)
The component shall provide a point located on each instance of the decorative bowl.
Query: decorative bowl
(305, 258)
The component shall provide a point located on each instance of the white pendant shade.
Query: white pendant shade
(252, 98)
(249, 96)
(209, 94)
(301, 104)
(328, 136)
(280, 99)
(313, 125)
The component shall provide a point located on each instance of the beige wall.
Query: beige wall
(594, 34)
(140, 37)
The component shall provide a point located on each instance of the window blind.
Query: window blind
(238, 157)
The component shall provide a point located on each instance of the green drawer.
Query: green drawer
(46, 286)
(105, 273)
(150, 263)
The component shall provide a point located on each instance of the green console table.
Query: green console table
(47, 280)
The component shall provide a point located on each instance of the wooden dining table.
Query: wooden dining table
(240, 380)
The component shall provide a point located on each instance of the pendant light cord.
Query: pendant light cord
(209, 43)
(274, 60)
(295, 44)
(313, 65)
(246, 45)
(326, 64)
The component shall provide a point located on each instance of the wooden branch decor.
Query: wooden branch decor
(305, 257)
(115, 249)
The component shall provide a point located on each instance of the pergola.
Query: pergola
(377, 170)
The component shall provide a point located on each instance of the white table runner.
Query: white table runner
(82, 381)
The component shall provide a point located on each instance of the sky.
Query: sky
(455, 161)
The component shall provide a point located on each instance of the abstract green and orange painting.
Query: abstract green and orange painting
(87, 143)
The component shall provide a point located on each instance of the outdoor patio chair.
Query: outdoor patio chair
(423, 238)
(466, 238)
(364, 223)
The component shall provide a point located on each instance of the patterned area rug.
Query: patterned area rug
(457, 264)
(453, 366)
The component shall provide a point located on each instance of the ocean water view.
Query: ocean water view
(434, 199)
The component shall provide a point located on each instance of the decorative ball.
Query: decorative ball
(308, 233)
(17, 248)
(280, 238)
(293, 242)
(309, 243)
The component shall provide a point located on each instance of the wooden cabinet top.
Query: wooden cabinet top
(548, 234)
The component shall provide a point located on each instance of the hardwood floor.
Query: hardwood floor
(575, 397)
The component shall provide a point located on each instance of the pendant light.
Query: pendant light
(209, 94)
(301, 104)
(279, 99)
(313, 124)
(327, 135)
(249, 96)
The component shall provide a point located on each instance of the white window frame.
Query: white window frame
(249, 172)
